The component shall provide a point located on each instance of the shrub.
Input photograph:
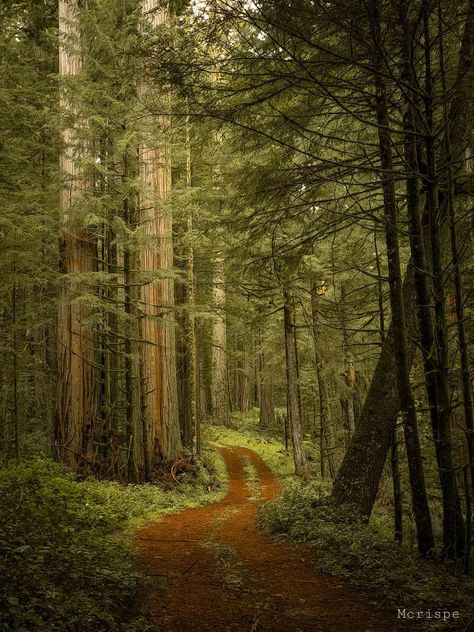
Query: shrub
(67, 562)
(364, 553)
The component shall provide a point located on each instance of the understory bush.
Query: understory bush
(66, 556)
(365, 554)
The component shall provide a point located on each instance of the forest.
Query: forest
(236, 315)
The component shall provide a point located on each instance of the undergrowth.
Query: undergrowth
(67, 562)
(244, 431)
(365, 554)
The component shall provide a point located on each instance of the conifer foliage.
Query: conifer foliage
(217, 209)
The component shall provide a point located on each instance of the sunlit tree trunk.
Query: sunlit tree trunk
(159, 387)
(192, 433)
(76, 417)
(219, 377)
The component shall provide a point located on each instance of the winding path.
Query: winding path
(211, 570)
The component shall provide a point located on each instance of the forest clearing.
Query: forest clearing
(236, 315)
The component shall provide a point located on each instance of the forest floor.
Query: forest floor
(210, 569)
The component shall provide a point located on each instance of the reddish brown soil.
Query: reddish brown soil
(211, 570)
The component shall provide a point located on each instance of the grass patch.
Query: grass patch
(252, 479)
(67, 560)
(229, 562)
(244, 431)
(365, 554)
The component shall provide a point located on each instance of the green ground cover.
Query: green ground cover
(67, 561)
(364, 554)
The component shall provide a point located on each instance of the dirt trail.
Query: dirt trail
(211, 570)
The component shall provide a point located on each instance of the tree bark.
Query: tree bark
(293, 407)
(440, 407)
(360, 472)
(77, 403)
(192, 432)
(241, 381)
(435, 377)
(394, 451)
(160, 397)
(219, 377)
(265, 380)
(326, 434)
(407, 403)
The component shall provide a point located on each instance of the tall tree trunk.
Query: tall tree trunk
(347, 401)
(293, 407)
(394, 451)
(136, 452)
(407, 404)
(453, 521)
(182, 357)
(360, 472)
(457, 138)
(327, 438)
(266, 401)
(434, 378)
(242, 381)
(192, 433)
(160, 396)
(110, 343)
(219, 377)
(15, 370)
(76, 417)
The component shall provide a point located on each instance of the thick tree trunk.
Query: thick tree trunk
(219, 377)
(359, 475)
(192, 431)
(407, 404)
(358, 478)
(436, 384)
(160, 397)
(76, 417)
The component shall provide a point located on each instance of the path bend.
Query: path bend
(211, 570)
